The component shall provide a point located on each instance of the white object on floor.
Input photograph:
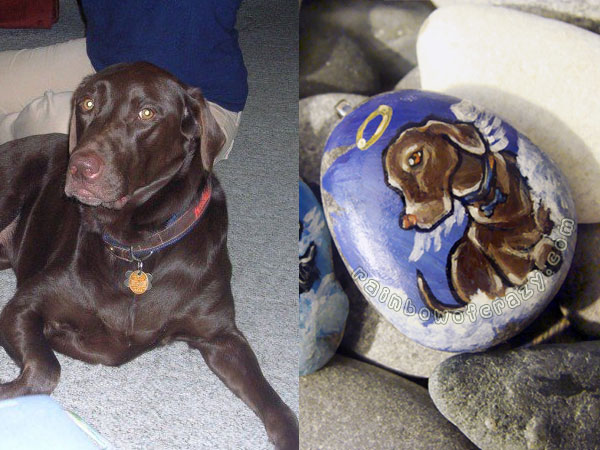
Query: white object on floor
(38, 422)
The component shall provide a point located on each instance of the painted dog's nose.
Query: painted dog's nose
(409, 221)
(87, 166)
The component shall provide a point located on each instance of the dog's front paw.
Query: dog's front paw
(12, 389)
(282, 429)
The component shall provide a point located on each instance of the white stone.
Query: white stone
(541, 75)
(583, 13)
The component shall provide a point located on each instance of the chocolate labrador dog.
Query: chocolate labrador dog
(117, 236)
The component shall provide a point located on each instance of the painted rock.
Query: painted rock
(453, 225)
(323, 304)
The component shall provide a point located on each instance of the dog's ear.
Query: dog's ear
(198, 122)
(462, 134)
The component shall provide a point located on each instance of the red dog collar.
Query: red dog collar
(177, 227)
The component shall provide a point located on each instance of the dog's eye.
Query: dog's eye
(87, 104)
(146, 114)
(415, 158)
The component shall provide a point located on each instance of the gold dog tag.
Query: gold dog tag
(138, 281)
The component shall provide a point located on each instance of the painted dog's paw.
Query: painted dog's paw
(30, 384)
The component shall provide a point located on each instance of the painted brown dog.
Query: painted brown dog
(141, 149)
(433, 164)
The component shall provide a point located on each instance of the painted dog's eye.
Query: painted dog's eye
(146, 114)
(415, 158)
(87, 104)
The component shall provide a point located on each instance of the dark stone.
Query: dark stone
(543, 397)
(317, 118)
(385, 30)
(350, 404)
(580, 295)
(412, 80)
(331, 61)
(371, 337)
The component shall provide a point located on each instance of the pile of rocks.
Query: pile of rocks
(536, 64)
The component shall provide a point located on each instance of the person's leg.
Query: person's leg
(26, 74)
(229, 122)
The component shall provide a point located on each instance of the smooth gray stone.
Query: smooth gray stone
(317, 118)
(583, 13)
(412, 80)
(372, 337)
(544, 397)
(580, 295)
(386, 30)
(353, 405)
(331, 61)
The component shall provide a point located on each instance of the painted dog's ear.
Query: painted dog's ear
(73, 128)
(462, 134)
(198, 122)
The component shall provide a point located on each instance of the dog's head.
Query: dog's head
(420, 165)
(134, 127)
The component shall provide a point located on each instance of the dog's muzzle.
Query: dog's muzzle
(408, 221)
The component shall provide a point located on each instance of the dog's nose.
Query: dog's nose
(409, 221)
(86, 166)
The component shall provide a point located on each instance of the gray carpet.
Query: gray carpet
(168, 398)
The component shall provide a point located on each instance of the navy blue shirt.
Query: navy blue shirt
(195, 40)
